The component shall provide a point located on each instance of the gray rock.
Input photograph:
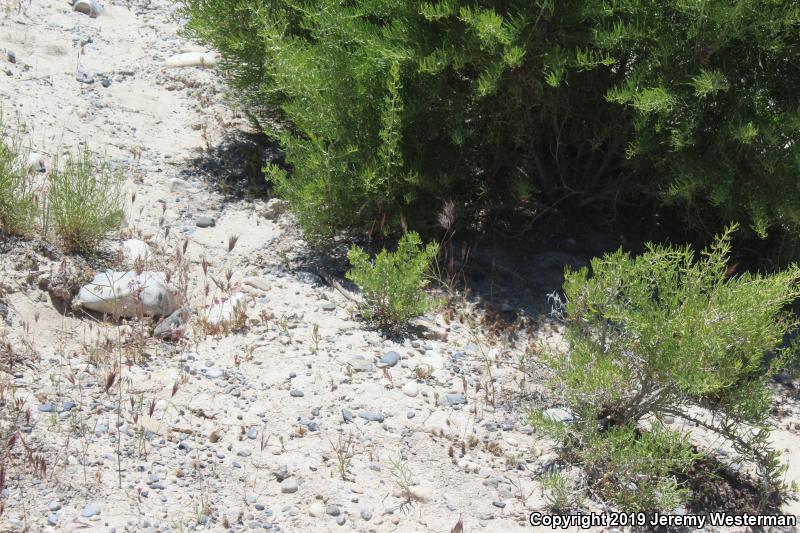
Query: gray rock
(366, 515)
(52, 519)
(54, 506)
(347, 415)
(372, 416)
(84, 77)
(499, 504)
(340, 520)
(88, 7)
(289, 486)
(333, 510)
(46, 407)
(453, 399)
(12, 57)
(296, 393)
(205, 221)
(91, 510)
(252, 433)
(329, 306)
(389, 359)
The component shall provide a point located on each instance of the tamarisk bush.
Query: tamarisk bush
(386, 109)
(667, 334)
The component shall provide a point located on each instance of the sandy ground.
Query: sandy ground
(236, 430)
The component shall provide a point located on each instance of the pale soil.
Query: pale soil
(192, 464)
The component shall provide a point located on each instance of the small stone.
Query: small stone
(54, 506)
(411, 389)
(361, 364)
(499, 504)
(388, 360)
(366, 515)
(329, 306)
(252, 433)
(87, 7)
(411, 414)
(340, 520)
(289, 486)
(205, 221)
(52, 519)
(453, 399)
(296, 393)
(333, 510)
(372, 416)
(214, 372)
(316, 509)
(347, 415)
(12, 57)
(91, 510)
(46, 407)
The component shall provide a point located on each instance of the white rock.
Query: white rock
(179, 185)
(316, 509)
(228, 310)
(126, 294)
(411, 389)
(443, 424)
(135, 250)
(191, 59)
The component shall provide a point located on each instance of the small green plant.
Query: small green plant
(17, 203)
(664, 334)
(559, 493)
(85, 201)
(393, 285)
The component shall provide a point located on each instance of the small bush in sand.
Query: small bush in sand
(393, 285)
(665, 336)
(85, 201)
(17, 202)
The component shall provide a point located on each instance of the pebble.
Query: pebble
(340, 520)
(46, 407)
(91, 510)
(54, 506)
(316, 509)
(289, 486)
(360, 364)
(372, 416)
(558, 414)
(296, 393)
(453, 399)
(329, 306)
(389, 359)
(498, 503)
(333, 510)
(52, 519)
(252, 433)
(411, 389)
(366, 515)
(347, 415)
(214, 372)
(204, 221)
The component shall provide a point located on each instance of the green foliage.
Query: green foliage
(393, 285)
(84, 201)
(386, 108)
(666, 334)
(17, 201)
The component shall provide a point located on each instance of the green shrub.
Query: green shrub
(84, 201)
(17, 201)
(386, 109)
(663, 334)
(393, 285)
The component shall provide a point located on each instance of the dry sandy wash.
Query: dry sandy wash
(235, 429)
